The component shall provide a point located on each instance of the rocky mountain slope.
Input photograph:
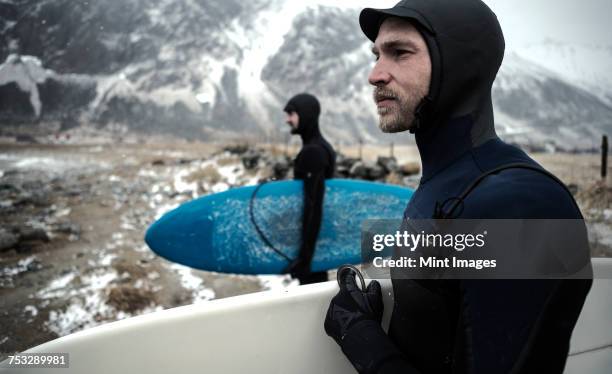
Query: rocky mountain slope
(209, 69)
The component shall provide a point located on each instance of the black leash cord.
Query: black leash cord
(261, 234)
(340, 274)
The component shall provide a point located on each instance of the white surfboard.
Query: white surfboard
(272, 332)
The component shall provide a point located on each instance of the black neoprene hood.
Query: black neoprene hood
(308, 109)
(466, 47)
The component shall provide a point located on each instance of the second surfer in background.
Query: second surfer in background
(315, 162)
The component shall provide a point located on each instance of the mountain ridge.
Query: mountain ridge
(209, 69)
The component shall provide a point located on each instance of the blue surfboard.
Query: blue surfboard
(257, 229)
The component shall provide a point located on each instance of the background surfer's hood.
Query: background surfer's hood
(466, 46)
(308, 108)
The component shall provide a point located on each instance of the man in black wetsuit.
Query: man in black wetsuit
(436, 61)
(315, 162)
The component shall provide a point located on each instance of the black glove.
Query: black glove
(352, 305)
(353, 321)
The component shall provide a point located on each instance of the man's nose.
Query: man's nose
(379, 76)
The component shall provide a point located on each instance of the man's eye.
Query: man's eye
(401, 52)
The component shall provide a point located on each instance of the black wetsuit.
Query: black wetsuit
(470, 326)
(315, 162)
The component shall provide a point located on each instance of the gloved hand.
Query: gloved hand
(353, 321)
(352, 305)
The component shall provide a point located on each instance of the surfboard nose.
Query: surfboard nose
(184, 239)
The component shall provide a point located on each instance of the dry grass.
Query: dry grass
(129, 299)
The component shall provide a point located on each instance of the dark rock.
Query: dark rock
(344, 165)
(8, 187)
(250, 159)
(280, 168)
(75, 191)
(39, 199)
(8, 209)
(367, 171)
(158, 163)
(33, 185)
(346, 161)
(24, 247)
(30, 234)
(376, 172)
(68, 228)
(359, 170)
(389, 164)
(7, 240)
(343, 172)
(34, 265)
(26, 139)
(236, 149)
(11, 172)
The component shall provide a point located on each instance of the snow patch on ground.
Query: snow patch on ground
(600, 232)
(162, 209)
(277, 282)
(49, 165)
(182, 186)
(57, 287)
(22, 266)
(31, 310)
(193, 283)
(88, 302)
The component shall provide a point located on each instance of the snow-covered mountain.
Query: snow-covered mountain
(535, 106)
(219, 69)
(587, 65)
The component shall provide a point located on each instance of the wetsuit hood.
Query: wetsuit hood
(308, 109)
(466, 46)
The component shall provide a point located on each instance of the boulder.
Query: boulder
(389, 164)
(7, 240)
(376, 172)
(69, 228)
(31, 234)
(250, 159)
(236, 149)
(358, 170)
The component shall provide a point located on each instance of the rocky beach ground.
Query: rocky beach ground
(72, 220)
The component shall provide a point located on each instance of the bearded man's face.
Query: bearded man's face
(401, 75)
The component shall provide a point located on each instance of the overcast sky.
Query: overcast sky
(532, 21)
(574, 21)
